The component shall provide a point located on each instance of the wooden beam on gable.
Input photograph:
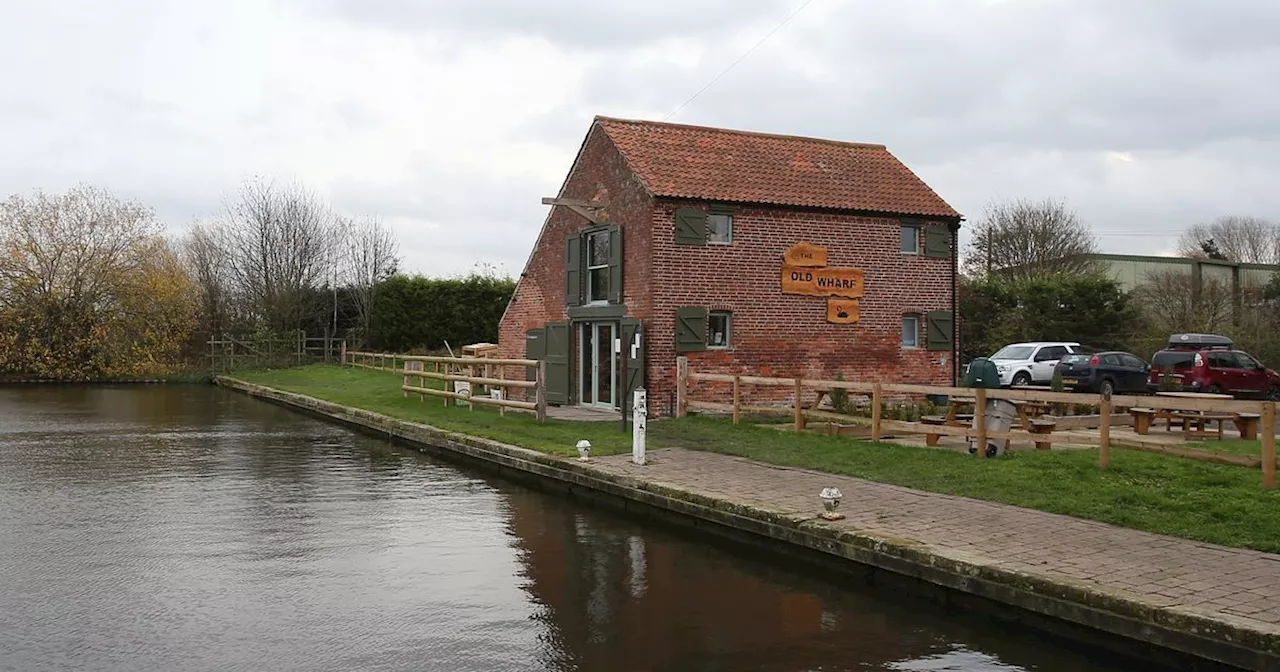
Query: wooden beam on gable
(590, 211)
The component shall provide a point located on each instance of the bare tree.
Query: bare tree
(70, 248)
(1250, 240)
(1027, 239)
(279, 243)
(206, 255)
(371, 257)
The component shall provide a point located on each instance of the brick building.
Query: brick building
(750, 253)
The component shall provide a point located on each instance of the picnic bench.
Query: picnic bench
(1194, 423)
(1042, 426)
(1246, 423)
(957, 404)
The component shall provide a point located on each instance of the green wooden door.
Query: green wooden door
(535, 347)
(633, 347)
(558, 347)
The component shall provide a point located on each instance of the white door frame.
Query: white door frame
(587, 396)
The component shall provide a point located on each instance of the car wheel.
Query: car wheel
(1215, 389)
(1021, 378)
(1273, 394)
(1107, 388)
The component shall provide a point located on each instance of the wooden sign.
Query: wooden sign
(842, 311)
(805, 254)
(846, 282)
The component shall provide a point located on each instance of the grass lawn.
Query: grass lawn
(380, 391)
(1221, 504)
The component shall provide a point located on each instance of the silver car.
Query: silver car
(1031, 363)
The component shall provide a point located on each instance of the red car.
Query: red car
(1209, 363)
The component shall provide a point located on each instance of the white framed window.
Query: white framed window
(719, 329)
(910, 239)
(598, 267)
(719, 229)
(910, 331)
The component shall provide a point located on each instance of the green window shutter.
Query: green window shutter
(573, 271)
(937, 242)
(691, 227)
(557, 349)
(615, 265)
(940, 330)
(691, 329)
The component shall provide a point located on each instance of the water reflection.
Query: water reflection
(152, 528)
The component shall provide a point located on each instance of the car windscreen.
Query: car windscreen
(1013, 352)
(1171, 359)
(1076, 359)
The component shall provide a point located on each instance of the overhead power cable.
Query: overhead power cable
(741, 58)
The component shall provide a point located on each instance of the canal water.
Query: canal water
(190, 528)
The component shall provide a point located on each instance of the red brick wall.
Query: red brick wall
(783, 335)
(599, 175)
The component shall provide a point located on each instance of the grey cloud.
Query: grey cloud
(1073, 75)
(451, 218)
(573, 24)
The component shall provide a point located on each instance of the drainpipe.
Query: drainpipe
(955, 303)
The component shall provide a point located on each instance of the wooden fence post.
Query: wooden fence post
(343, 345)
(799, 417)
(875, 412)
(682, 386)
(980, 415)
(502, 389)
(737, 399)
(406, 379)
(541, 391)
(1269, 445)
(1104, 432)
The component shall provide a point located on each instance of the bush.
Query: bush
(425, 313)
(840, 399)
(1169, 382)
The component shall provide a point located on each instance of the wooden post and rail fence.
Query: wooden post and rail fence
(476, 372)
(1265, 411)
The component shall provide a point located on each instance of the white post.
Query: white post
(639, 414)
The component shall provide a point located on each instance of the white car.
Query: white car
(1031, 363)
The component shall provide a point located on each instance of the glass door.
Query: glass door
(597, 364)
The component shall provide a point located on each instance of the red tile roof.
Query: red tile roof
(679, 161)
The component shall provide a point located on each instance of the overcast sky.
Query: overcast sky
(449, 120)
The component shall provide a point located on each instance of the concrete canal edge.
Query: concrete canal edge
(1078, 611)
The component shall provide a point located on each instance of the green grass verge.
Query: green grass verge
(1221, 504)
(380, 391)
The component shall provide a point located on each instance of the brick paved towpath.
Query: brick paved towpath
(1236, 586)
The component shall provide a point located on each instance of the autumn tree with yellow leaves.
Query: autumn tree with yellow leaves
(89, 288)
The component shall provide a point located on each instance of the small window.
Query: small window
(1246, 362)
(719, 329)
(910, 331)
(1222, 360)
(719, 229)
(910, 239)
(598, 267)
(1051, 353)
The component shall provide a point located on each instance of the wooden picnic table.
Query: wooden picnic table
(1194, 423)
(955, 405)
(1171, 416)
